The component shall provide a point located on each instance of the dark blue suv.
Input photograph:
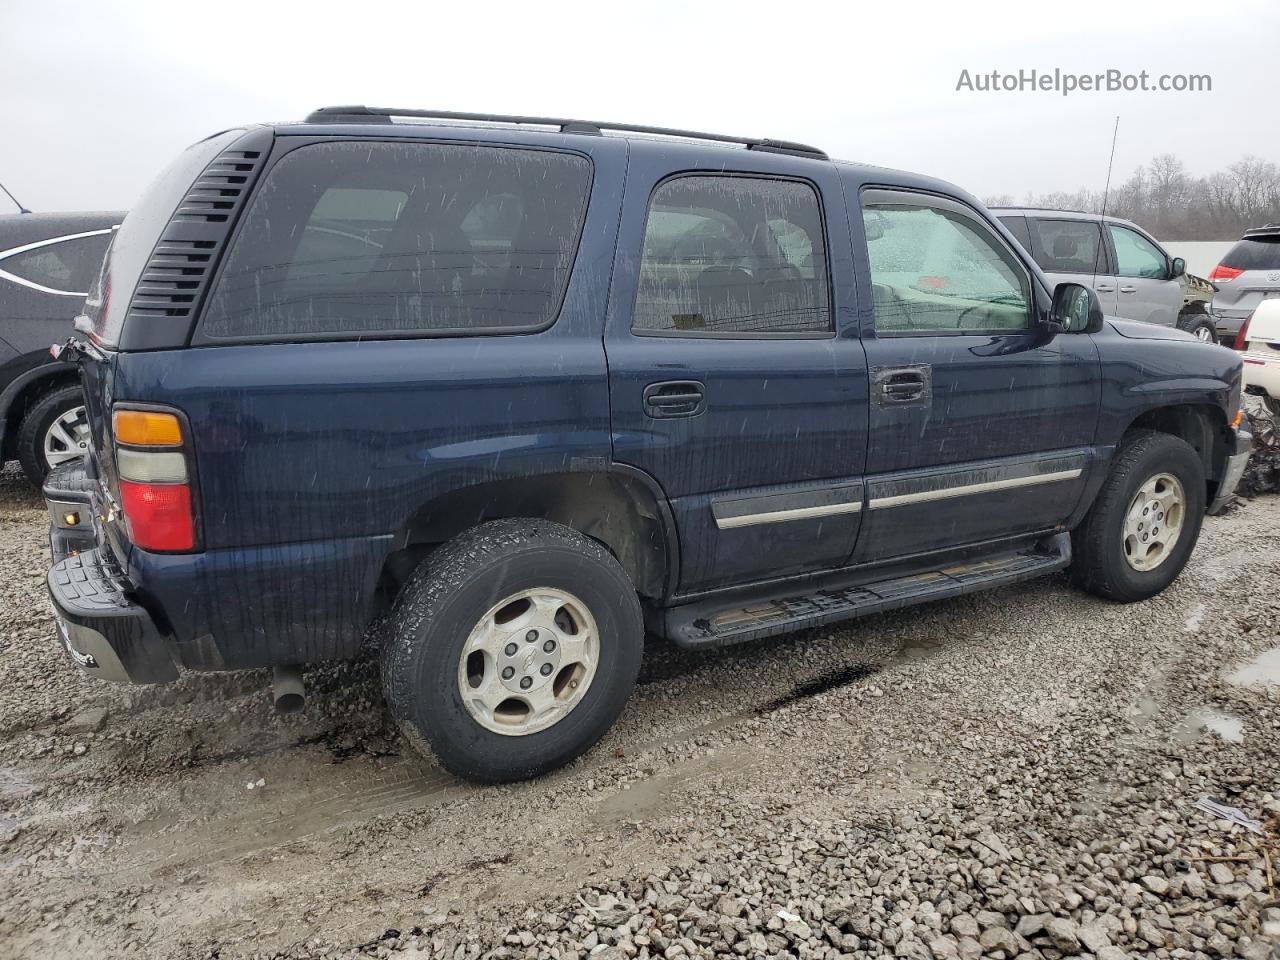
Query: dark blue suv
(529, 386)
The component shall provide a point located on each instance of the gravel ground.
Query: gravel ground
(1012, 774)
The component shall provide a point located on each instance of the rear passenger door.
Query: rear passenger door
(736, 377)
(981, 424)
(1145, 290)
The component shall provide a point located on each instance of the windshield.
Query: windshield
(108, 300)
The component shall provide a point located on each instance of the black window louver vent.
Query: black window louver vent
(176, 276)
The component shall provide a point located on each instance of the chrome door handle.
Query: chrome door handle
(1128, 289)
(1104, 288)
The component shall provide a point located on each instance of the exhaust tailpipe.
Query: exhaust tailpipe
(286, 688)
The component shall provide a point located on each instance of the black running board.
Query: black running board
(719, 622)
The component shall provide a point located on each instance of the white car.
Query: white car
(1260, 340)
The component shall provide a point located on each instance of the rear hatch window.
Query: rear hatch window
(358, 239)
(1255, 253)
(108, 302)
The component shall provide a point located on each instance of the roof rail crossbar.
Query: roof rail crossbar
(363, 114)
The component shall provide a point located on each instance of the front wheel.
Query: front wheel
(1199, 326)
(1146, 519)
(513, 649)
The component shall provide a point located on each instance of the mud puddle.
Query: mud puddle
(1262, 671)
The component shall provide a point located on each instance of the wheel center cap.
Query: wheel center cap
(529, 660)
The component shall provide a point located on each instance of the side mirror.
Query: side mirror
(1076, 308)
(1177, 268)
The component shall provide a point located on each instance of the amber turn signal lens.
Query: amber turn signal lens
(147, 428)
(1236, 422)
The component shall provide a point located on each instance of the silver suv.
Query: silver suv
(1247, 275)
(1133, 275)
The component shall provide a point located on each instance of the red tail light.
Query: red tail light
(1242, 338)
(1222, 274)
(155, 482)
(158, 515)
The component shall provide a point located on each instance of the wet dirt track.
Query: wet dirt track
(190, 820)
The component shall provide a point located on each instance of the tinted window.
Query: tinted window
(411, 238)
(1136, 256)
(1018, 227)
(1254, 254)
(733, 255)
(1069, 246)
(68, 266)
(936, 269)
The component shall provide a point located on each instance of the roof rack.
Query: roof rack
(1018, 206)
(362, 114)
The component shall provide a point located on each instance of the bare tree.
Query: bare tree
(1174, 205)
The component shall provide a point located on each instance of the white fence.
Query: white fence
(1201, 255)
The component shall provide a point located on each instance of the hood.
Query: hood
(1136, 330)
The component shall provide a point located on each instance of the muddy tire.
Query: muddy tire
(512, 649)
(36, 444)
(1145, 521)
(1200, 326)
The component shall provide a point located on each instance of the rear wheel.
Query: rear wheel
(1145, 521)
(54, 430)
(513, 649)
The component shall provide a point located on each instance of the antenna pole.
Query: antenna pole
(21, 208)
(1106, 193)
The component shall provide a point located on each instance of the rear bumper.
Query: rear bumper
(1262, 371)
(1228, 322)
(106, 634)
(104, 630)
(1237, 458)
(128, 614)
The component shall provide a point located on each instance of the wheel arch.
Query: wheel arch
(620, 507)
(1203, 426)
(22, 392)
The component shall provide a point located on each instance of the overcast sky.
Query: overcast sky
(98, 97)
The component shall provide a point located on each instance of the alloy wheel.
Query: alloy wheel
(529, 661)
(1154, 522)
(67, 437)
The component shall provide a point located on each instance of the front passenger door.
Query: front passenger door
(981, 425)
(1145, 290)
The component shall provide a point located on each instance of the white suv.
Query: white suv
(1260, 340)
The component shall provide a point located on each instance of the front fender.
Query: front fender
(1142, 376)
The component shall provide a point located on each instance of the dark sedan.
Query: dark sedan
(48, 261)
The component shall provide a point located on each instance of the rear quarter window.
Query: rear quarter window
(356, 239)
